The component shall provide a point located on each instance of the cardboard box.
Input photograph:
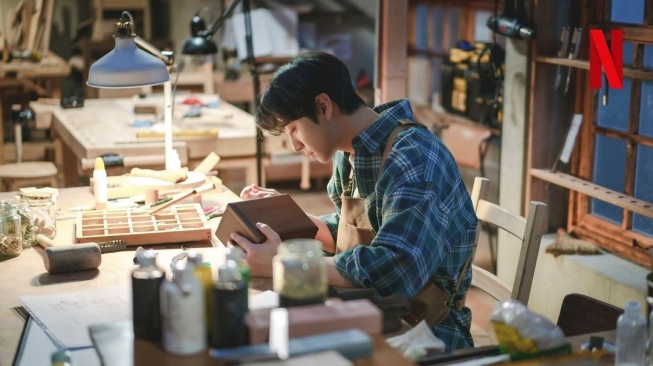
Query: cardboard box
(317, 319)
(280, 212)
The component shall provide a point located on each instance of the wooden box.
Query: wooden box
(176, 224)
(280, 212)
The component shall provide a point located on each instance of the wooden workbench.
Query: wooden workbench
(105, 126)
(25, 275)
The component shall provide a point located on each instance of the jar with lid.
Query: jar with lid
(11, 235)
(27, 227)
(299, 274)
(42, 211)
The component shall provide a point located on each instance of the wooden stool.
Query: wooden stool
(17, 175)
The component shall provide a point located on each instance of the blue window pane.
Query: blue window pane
(437, 29)
(421, 27)
(643, 187)
(646, 109)
(453, 17)
(481, 32)
(646, 103)
(609, 172)
(628, 11)
(615, 115)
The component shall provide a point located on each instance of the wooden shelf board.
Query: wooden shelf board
(585, 65)
(593, 190)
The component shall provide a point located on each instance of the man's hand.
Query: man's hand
(254, 191)
(259, 256)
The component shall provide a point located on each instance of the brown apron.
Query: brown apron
(430, 303)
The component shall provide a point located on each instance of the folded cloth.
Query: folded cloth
(417, 342)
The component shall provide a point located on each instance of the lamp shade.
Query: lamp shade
(127, 66)
(199, 43)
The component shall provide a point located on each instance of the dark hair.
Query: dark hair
(292, 91)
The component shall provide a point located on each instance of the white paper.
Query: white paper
(66, 316)
(36, 348)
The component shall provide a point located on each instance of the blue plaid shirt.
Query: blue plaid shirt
(420, 210)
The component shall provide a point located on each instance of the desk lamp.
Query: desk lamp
(201, 43)
(127, 66)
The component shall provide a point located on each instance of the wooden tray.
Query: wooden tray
(179, 223)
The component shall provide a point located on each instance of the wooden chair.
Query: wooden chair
(21, 174)
(581, 314)
(529, 230)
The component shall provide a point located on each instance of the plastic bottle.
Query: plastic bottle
(631, 336)
(146, 284)
(182, 305)
(203, 273)
(237, 255)
(229, 308)
(100, 188)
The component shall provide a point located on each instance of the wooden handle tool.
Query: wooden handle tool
(69, 258)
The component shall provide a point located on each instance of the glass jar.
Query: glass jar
(11, 235)
(27, 227)
(42, 211)
(299, 274)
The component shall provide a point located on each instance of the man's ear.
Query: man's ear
(323, 105)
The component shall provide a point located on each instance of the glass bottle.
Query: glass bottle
(237, 255)
(11, 234)
(299, 274)
(631, 336)
(42, 211)
(229, 308)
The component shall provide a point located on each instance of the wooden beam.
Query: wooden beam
(391, 56)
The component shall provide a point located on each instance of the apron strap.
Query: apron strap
(405, 123)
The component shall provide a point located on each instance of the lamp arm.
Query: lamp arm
(165, 56)
(226, 14)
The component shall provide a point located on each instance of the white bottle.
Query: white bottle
(100, 188)
(631, 336)
(182, 312)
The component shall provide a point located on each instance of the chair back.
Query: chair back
(581, 314)
(527, 229)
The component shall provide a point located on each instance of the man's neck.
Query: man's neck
(352, 125)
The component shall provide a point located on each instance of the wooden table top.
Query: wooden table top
(26, 275)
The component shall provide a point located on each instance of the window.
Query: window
(619, 145)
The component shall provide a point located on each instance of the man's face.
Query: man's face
(315, 140)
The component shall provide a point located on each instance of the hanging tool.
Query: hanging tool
(574, 46)
(563, 51)
(513, 22)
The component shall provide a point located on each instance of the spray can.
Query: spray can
(229, 308)
(182, 305)
(203, 273)
(237, 255)
(146, 283)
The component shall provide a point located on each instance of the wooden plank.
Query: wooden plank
(585, 65)
(593, 190)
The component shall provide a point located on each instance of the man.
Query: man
(417, 225)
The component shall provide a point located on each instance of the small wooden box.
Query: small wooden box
(177, 224)
(280, 212)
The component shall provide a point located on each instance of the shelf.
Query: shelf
(593, 190)
(585, 65)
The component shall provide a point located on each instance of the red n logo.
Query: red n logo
(612, 60)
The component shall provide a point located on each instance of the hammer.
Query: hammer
(78, 257)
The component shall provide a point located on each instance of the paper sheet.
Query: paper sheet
(66, 316)
(36, 348)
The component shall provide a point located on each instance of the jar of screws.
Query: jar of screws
(11, 235)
